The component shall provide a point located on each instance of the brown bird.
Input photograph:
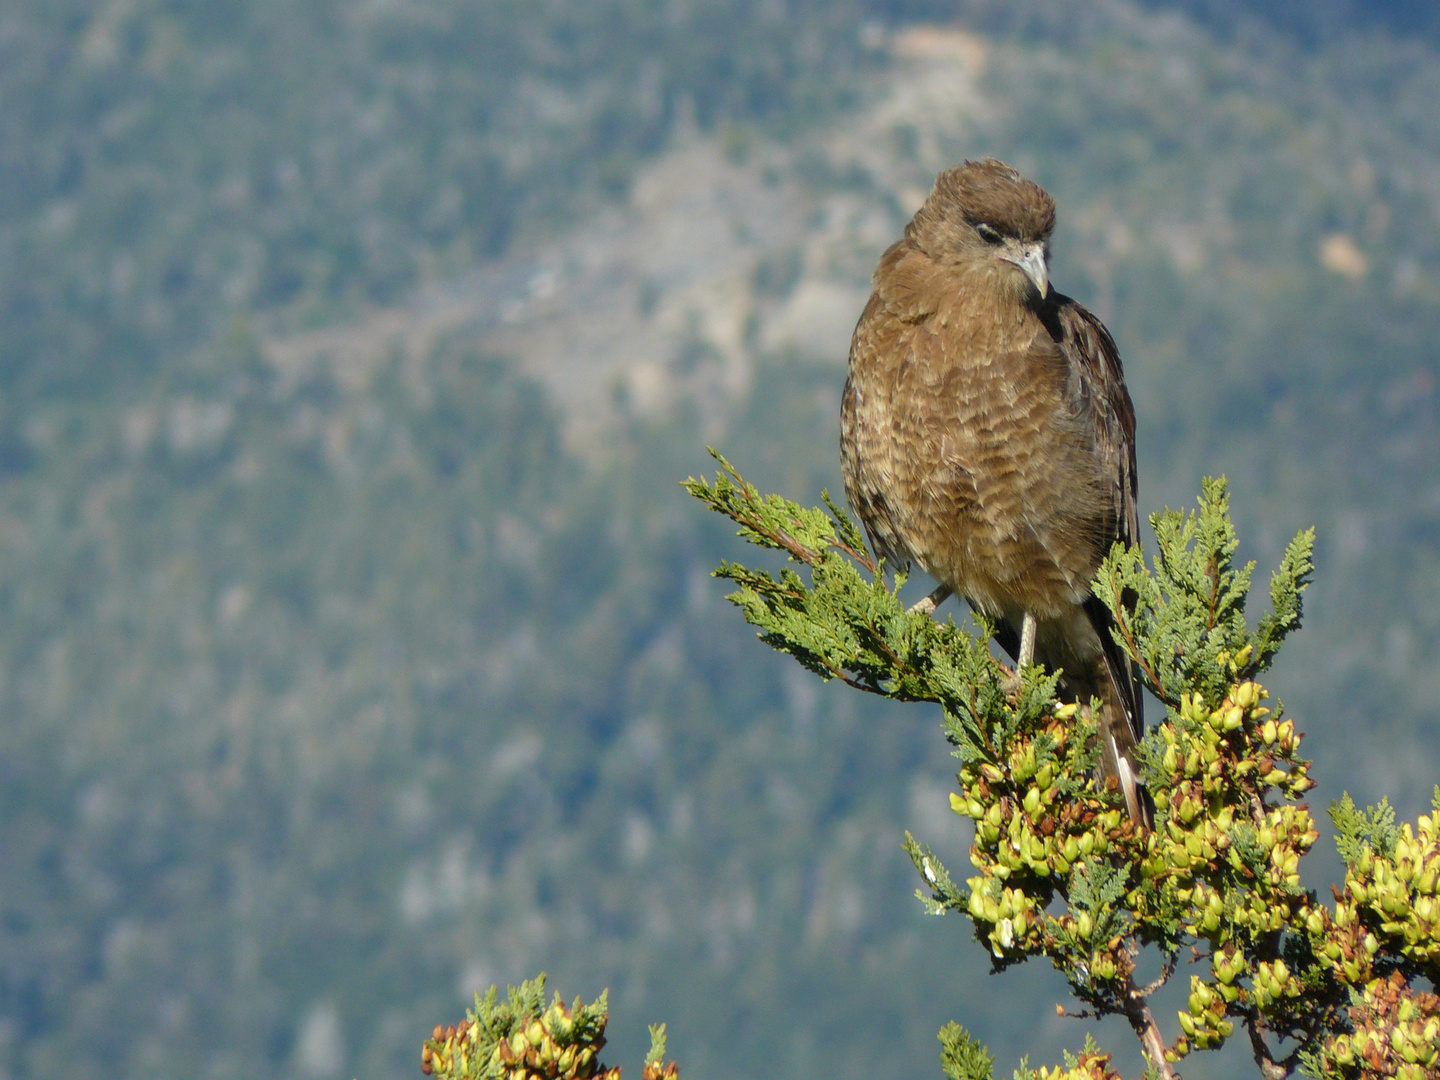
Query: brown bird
(987, 436)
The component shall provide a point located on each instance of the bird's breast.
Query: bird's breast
(963, 454)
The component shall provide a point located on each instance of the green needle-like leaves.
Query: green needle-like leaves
(1061, 872)
(1185, 619)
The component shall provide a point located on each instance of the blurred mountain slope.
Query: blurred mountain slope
(1258, 228)
(359, 648)
(167, 163)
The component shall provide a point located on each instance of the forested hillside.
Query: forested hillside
(358, 648)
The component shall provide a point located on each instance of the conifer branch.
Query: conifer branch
(1221, 863)
(1061, 872)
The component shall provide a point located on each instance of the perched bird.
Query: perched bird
(987, 436)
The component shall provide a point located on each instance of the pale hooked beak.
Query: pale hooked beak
(1031, 259)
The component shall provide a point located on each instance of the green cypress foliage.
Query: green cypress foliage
(1061, 872)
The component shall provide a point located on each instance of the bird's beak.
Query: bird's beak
(1031, 259)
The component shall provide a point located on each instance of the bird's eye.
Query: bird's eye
(989, 235)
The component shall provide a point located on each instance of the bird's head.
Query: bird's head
(985, 215)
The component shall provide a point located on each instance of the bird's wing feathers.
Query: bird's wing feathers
(1095, 366)
(1095, 362)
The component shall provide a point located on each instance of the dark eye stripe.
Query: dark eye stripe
(988, 234)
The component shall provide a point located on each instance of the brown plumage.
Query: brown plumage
(987, 435)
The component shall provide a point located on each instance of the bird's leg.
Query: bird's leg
(1026, 655)
(931, 602)
(1027, 643)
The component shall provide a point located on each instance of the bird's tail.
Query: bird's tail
(1107, 674)
(1116, 683)
(1118, 765)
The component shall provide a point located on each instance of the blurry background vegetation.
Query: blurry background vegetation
(357, 646)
